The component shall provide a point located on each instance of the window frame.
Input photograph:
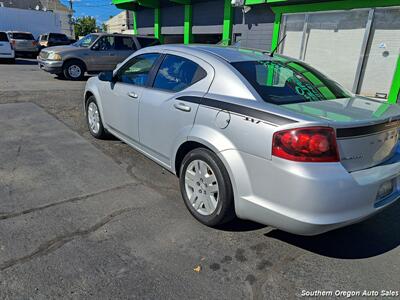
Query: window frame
(159, 66)
(150, 78)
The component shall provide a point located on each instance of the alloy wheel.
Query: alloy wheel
(93, 118)
(201, 187)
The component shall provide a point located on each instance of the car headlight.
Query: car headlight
(54, 56)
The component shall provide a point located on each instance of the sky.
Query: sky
(100, 9)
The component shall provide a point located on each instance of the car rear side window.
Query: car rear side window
(177, 73)
(124, 43)
(3, 37)
(287, 82)
(147, 42)
(137, 70)
(22, 36)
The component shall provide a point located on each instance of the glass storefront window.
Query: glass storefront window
(382, 53)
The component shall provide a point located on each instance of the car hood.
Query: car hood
(348, 110)
(60, 49)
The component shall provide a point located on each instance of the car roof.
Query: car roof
(27, 32)
(123, 34)
(227, 53)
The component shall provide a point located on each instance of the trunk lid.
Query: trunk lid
(367, 130)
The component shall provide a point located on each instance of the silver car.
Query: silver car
(23, 43)
(264, 138)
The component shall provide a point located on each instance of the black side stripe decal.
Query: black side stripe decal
(239, 109)
(366, 130)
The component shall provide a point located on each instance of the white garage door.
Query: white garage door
(357, 48)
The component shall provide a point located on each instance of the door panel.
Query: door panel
(164, 120)
(102, 55)
(121, 99)
(121, 107)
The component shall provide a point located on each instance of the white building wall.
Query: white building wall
(36, 22)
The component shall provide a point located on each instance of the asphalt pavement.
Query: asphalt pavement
(94, 219)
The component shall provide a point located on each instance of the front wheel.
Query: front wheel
(74, 70)
(206, 187)
(93, 119)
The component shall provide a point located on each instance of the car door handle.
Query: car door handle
(182, 107)
(112, 54)
(133, 95)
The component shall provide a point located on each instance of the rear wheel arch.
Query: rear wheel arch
(184, 149)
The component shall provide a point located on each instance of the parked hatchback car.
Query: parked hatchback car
(265, 138)
(94, 53)
(23, 43)
(53, 39)
(6, 50)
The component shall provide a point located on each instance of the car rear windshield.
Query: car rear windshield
(287, 82)
(3, 37)
(147, 42)
(22, 36)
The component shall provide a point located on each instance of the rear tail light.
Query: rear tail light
(34, 43)
(308, 144)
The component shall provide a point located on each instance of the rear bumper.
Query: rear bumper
(53, 67)
(307, 198)
(7, 55)
(26, 52)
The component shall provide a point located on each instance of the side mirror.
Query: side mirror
(95, 47)
(107, 76)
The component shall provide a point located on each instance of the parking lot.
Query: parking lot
(86, 218)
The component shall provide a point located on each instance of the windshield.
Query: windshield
(286, 82)
(86, 41)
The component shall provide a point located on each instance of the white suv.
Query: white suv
(6, 50)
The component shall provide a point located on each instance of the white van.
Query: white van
(6, 50)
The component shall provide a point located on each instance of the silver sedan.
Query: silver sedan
(249, 134)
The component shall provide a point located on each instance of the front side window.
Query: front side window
(287, 82)
(106, 43)
(137, 70)
(177, 73)
(86, 41)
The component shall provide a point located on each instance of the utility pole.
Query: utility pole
(71, 11)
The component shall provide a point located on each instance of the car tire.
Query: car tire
(74, 70)
(204, 176)
(93, 119)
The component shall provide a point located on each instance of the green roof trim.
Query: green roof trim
(132, 4)
(333, 5)
(395, 89)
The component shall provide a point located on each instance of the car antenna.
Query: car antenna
(277, 46)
